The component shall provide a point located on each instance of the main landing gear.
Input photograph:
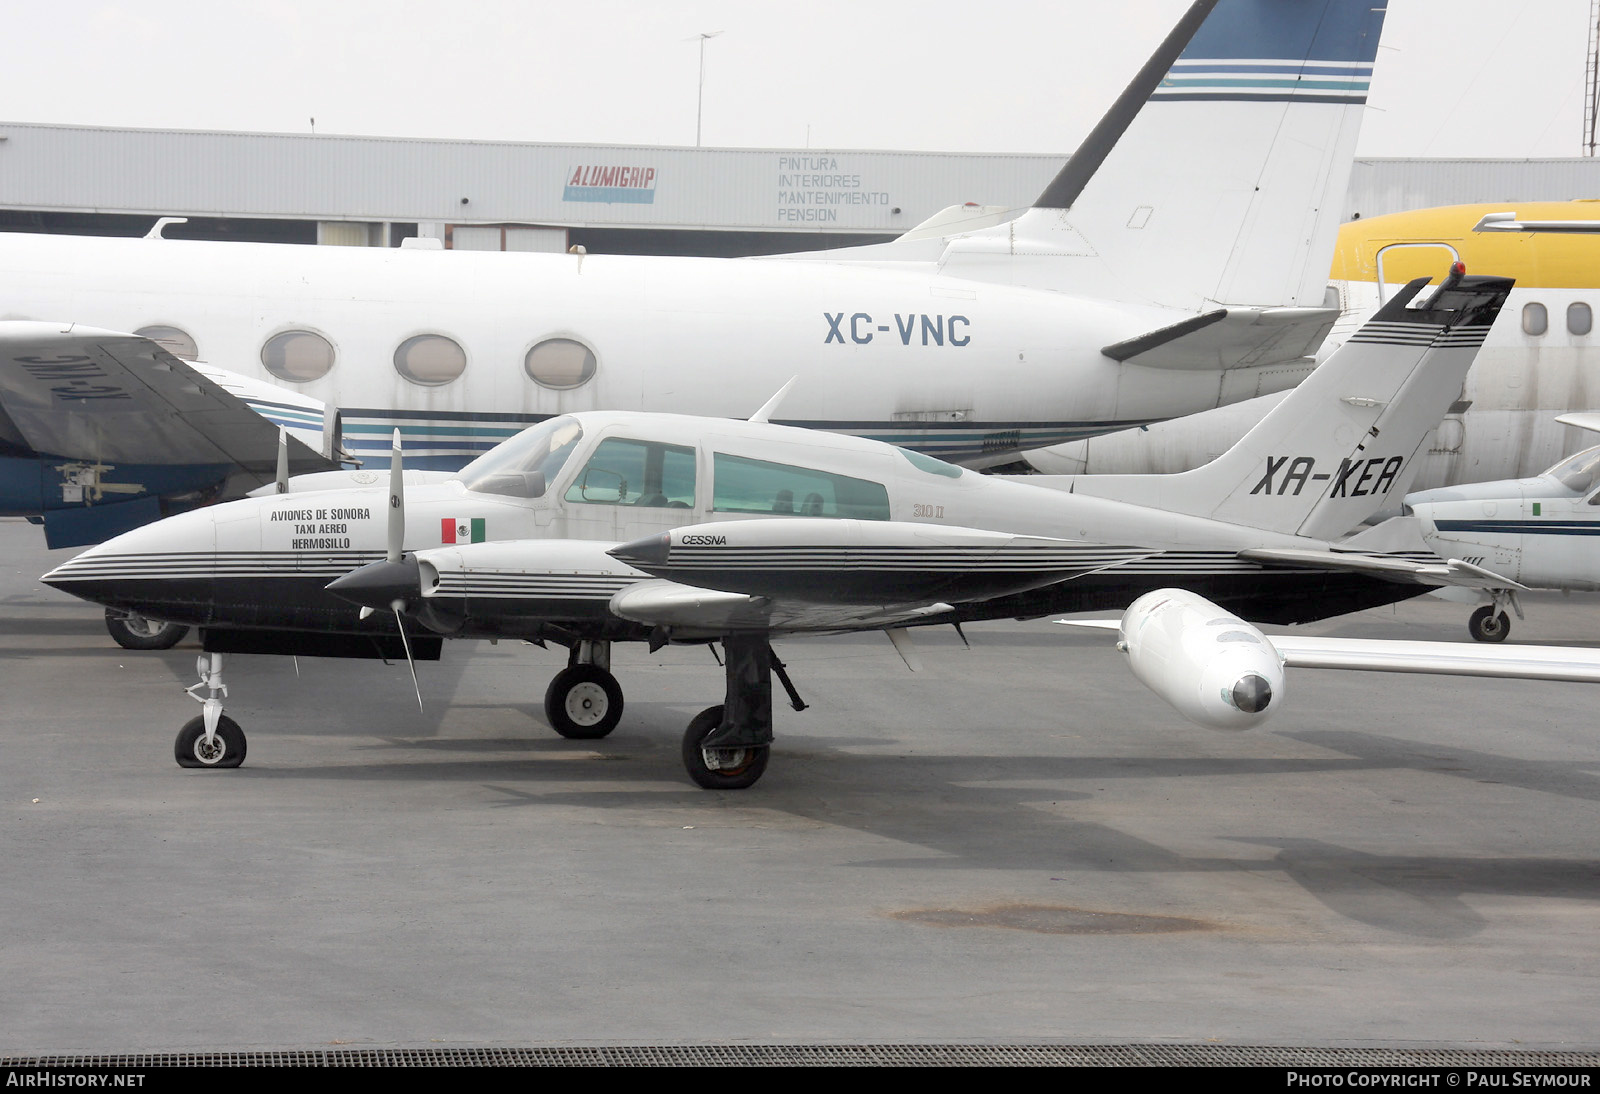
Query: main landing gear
(211, 739)
(584, 701)
(1488, 625)
(136, 632)
(1490, 622)
(726, 747)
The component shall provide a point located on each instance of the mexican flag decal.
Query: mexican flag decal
(461, 530)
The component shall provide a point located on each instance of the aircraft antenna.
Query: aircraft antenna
(1591, 80)
(700, 94)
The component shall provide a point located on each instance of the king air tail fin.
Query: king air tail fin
(1340, 447)
(1217, 176)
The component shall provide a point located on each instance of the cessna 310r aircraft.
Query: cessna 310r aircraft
(600, 527)
(1177, 262)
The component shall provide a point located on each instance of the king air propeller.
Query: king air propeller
(386, 586)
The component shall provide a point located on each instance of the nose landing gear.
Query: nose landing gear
(211, 739)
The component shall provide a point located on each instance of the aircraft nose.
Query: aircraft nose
(378, 585)
(143, 558)
(650, 551)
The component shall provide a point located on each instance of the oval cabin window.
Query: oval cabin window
(1535, 319)
(174, 340)
(560, 362)
(430, 359)
(298, 356)
(1580, 318)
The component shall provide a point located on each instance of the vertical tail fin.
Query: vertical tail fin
(1216, 177)
(1342, 443)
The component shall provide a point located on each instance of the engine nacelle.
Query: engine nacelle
(1210, 665)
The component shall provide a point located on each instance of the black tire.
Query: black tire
(583, 703)
(1486, 625)
(135, 632)
(741, 768)
(189, 749)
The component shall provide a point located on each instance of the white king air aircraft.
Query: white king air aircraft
(1178, 262)
(599, 527)
(1538, 531)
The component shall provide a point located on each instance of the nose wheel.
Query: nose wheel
(225, 748)
(211, 739)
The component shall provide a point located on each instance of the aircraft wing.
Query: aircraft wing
(867, 565)
(89, 394)
(1444, 658)
(1575, 663)
(684, 608)
(877, 576)
(1230, 338)
(1392, 567)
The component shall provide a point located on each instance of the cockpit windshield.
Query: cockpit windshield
(523, 466)
(1578, 473)
(929, 464)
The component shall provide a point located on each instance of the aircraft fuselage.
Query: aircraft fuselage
(965, 370)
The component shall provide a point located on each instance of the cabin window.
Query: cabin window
(524, 465)
(560, 363)
(624, 472)
(1535, 319)
(174, 340)
(775, 489)
(430, 359)
(1580, 318)
(298, 356)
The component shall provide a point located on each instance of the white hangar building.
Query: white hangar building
(380, 191)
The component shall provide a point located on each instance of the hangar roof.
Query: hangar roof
(87, 169)
(319, 177)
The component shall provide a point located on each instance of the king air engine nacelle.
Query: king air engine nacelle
(1210, 665)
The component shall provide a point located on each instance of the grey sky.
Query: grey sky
(1456, 77)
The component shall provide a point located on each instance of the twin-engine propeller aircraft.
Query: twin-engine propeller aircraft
(1538, 531)
(1177, 262)
(601, 527)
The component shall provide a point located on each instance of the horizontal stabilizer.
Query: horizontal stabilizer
(1391, 567)
(1230, 338)
(1581, 419)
